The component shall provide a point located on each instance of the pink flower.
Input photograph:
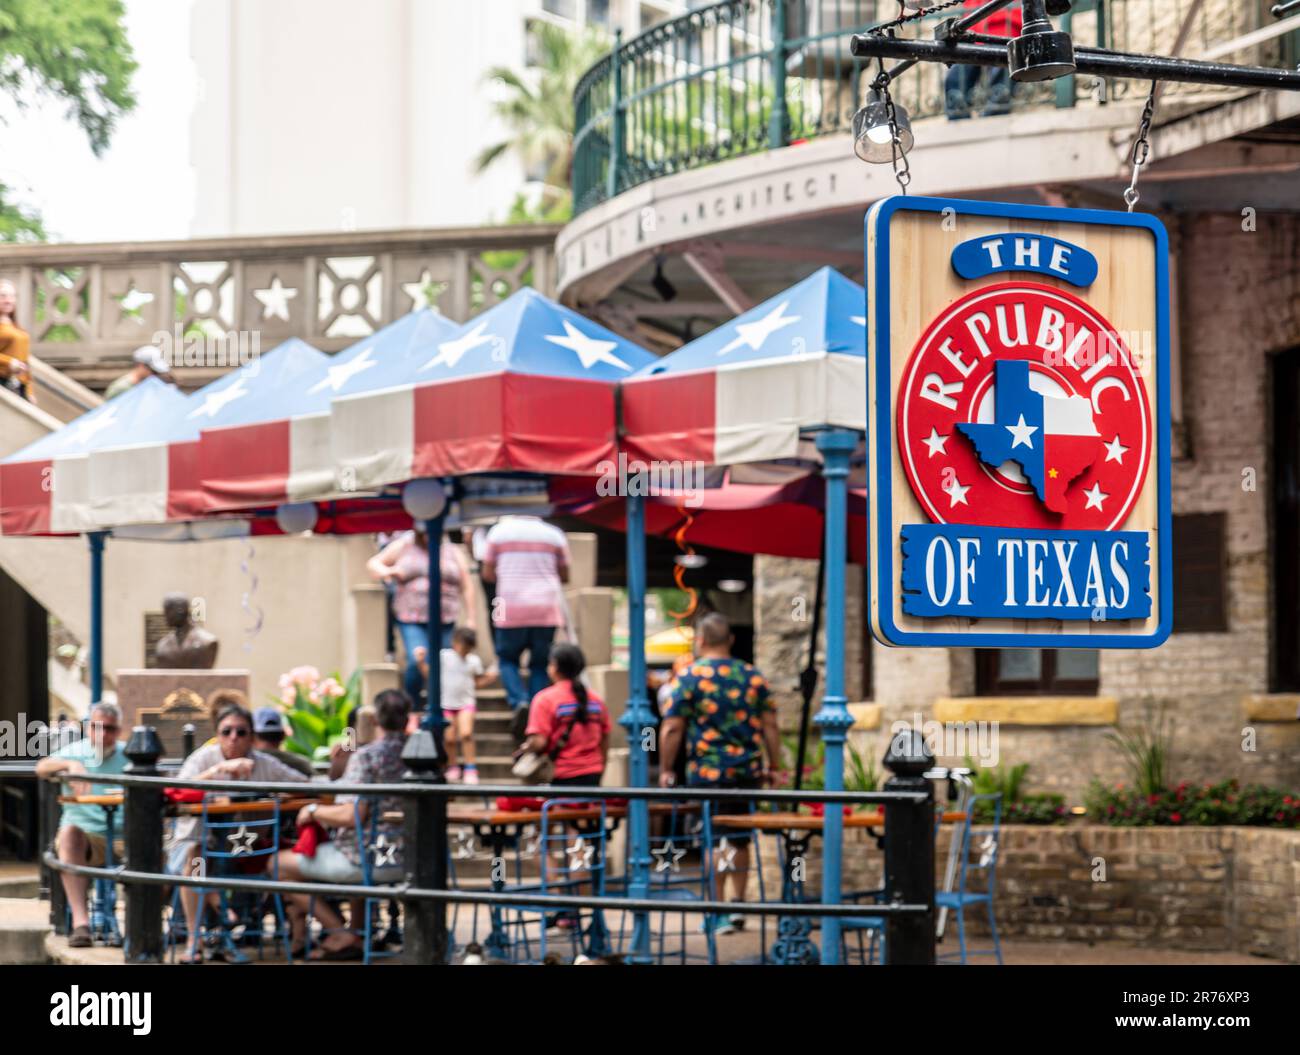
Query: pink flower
(330, 688)
(305, 676)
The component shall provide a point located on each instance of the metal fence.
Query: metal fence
(744, 76)
(907, 908)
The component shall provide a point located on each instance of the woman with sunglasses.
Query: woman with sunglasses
(230, 757)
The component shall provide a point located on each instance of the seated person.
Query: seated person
(232, 757)
(339, 861)
(268, 735)
(83, 830)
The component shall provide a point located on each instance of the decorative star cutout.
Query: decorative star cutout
(956, 493)
(582, 852)
(668, 855)
(1115, 451)
(340, 375)
(466, 844)
(988, 851)
(590, 350)
(275, 299)
(215, 402)
(755, 334)
(1021, 433)
(241, 841)
(1095, 496)
(532, 843)
(385, 852)
(451, 352)
(97, 424)
(861, 320)
(726, 855)
(424, 292)
(935, 442)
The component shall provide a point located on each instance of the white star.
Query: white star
(241, 841)
(935, 442)
(988, 851)
(451, 352)
(755, 334)
(581, 851)
(466, 844)
(384, 851)
(213, 402)
(861, 320)
(87, 429)
(590, 350)
(340, 375)
(1021, 433)
(727, 853)
(1095, 496)
(956, 493)
(1115, 451)
(664, 853)
(275, 299)
(424, 291)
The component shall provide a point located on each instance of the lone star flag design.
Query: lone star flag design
(1052, 439)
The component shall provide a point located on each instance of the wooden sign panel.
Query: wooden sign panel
(1018, 385)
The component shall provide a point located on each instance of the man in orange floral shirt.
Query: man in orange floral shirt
(723, 708)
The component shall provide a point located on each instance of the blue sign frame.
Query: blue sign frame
(883, 578)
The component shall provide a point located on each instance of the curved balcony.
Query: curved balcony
(745, 76)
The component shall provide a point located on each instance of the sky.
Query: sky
(142, 189)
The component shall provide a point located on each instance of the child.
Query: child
(462, 676)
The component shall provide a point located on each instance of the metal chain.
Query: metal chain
(1141, 148)
(902, 170)
(904, 18)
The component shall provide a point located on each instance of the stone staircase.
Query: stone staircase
(24, 921)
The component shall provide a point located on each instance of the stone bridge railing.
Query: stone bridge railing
(87, 307)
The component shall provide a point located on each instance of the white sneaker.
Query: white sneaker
(470, 775)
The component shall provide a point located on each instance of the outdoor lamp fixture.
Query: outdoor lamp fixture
(1040, 53)
(424, 499)
(873, 139)
(732, 585)
(293, 518)
(690, 560)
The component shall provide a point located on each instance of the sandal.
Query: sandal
(347, 952)
(80, 938)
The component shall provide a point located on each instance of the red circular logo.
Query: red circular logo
(1022, 407)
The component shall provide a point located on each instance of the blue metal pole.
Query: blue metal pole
(637, 721)
(96, 540)
(834, 720)
(433, 720)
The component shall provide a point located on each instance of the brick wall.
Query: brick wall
(1239, 297)
(1206, 889)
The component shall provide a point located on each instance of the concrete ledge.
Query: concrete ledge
(58, 951)
(1029, 710)
(24, 924)
(1272, 707)
(866, 716)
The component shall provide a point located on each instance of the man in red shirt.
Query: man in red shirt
(960, 83)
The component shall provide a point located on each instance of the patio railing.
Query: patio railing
(907, 908)
(744, 76)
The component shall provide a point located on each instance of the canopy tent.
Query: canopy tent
(48, 487)
(526, 386)
(274, 446)
(749, 390)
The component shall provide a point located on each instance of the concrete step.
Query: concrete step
(24, 925)
(19, 880)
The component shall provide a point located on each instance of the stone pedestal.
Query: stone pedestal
(170, 699)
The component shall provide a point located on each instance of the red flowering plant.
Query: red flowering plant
(860, 773)
(1183, 805)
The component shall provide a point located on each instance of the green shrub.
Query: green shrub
(1226, 802)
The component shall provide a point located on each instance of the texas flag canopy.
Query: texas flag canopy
(526, 386)
(46, 488)
(745, 391)
(269, 442)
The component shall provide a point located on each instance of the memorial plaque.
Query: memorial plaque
(169, 699)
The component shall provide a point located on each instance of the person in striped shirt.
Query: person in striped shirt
(528, 560)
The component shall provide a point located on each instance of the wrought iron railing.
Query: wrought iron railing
(743, 76)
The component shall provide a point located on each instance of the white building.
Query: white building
(325, 115)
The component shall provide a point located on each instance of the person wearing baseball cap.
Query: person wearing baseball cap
(268, 735)
(147, 361)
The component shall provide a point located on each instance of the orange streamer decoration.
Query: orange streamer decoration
(679, 572)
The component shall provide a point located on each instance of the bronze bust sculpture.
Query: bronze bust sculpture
(186, 647)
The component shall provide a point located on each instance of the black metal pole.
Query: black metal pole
(143, 831)
(909, 851)
(425, 851)
(52, 883)
(808, 679)
(1095, 61)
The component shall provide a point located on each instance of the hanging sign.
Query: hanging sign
(1018, 379)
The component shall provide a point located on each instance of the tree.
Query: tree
(72, 50)
(538, 110)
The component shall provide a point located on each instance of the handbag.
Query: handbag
(531, 764)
